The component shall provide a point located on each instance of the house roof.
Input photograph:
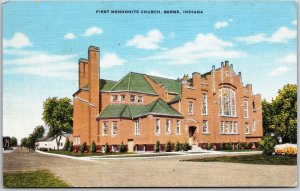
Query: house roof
(106, 85)
(157, 107)
(170, 84)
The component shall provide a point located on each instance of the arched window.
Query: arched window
(227, 102)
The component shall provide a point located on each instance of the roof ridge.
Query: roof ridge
(154, 104)
(129, 81)
(118, 82)
(126, 105)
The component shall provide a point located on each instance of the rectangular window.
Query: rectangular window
(230, 128)
(191, 108)
(137, 127)
(168, 126)
(254, 126)
(204, 104)
(114, 128)
(122, 98)
(246, 108)
(222, 127)
(177, 126)
(247, 128)
(157, 126)
(114, 98)
(226, 127)
(132, 98)
(235, 128)
(140, 99)
(104, 127)
(205, 126)
(220, 102)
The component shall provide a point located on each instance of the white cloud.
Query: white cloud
(93, 31)
(288, 59)
(19, 40)
(110, 60)
(149, 41)
(282, 35)
(221, 24)
(205, 46)
(69, 36)
(42, 64)
(278, 71)
(294, 22)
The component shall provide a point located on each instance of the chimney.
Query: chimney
(185, 77)
(93, 80)
(213, 79)
(226, 62)
(213, 67)
(196, 79)
(82, 72)
(240, 75)
(231, 66)
(222, 64)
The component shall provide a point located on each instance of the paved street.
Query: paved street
(158, 172)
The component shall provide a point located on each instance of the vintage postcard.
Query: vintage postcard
(149, 94)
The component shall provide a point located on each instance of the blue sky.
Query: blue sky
(44, 40)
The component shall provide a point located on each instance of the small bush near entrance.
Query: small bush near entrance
(106, 148)
(186, 146)
(70, 149)
(209, 146)
(122, 148)
(157, 146)
(83, 147)
(267, 145)
(93, 148)
(67, 144)
(177, 146)
(168, 147)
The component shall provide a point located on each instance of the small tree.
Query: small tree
(67, 144)
(106, 148)
(13, 142)
(248, 145)
(177, 146)
(209, 146)
(157, 146)
(186, 146)
(122, 148)
(239, 145)
(70, 148)
(267, 145)
(168, 147)
(83, 147)
(93, 147)
(24, 142)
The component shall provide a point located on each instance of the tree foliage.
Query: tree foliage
(13, 142)
(30, 141)
(280, 115)
(58, 115)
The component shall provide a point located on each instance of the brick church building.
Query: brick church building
(140, 109)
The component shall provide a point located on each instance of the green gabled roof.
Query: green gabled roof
(106, 85)
(157, 107)
(171, 85)
(175, 99)
(134, 82)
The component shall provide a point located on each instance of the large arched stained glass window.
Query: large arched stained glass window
(227, 102)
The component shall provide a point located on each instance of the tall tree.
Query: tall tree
(38, 132)
(13, 142)
(58, 115)
(280, 115)
(23, 142)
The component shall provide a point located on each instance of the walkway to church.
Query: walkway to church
(158, 172)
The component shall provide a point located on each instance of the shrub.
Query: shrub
(106, 148)
(227, 146)
(70, 149)
(239, 146)
(122, 148)
(267, 145)
(222, 146)
(93, 147)
(67, 144)
(157, 146)
(177, 146)
(186, 146)
(168, 147)
(83, 147)
(209, 146)
(248, 145)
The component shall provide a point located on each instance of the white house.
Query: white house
(50, 143)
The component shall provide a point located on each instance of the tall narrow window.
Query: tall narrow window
(157, 126)
(254, 126)
(220, 102)
(226, 127)
(168, 126)
(204, 104)
(205, 126)
(230, 128)
(132, 98)
(137, 127)
(253, 106)
(122, 98)
(227, 102)
(114, 98)
(104, 127)
(222, 127)
(247, 128)
(191, 108)
(246, 108)
(140, 99)
(177, 126)
(235, 128)
(114, 128)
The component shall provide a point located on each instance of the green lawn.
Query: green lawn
(252, 159)
(32, 179)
